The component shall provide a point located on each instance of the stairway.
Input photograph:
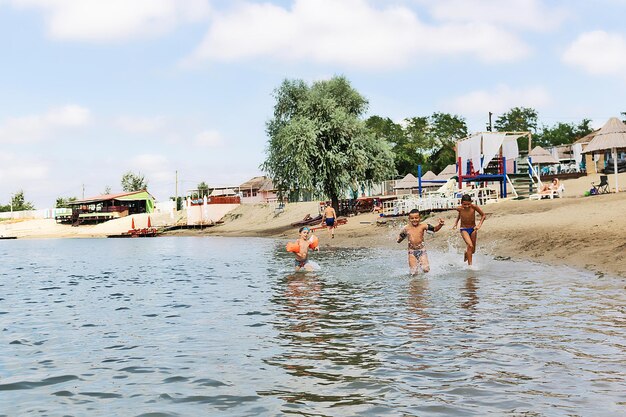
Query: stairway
(523, 185)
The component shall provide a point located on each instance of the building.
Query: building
(106, 207)
(258, 190)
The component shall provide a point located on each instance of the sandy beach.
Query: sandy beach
(583, 232)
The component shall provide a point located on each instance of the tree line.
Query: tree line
(320, 145)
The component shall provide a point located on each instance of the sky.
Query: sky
(180, 90)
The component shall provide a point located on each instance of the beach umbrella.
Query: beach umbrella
(429, 175)
(611, 136)
(541, 156)
(409, 181)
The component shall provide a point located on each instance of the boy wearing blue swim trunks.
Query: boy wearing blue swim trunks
(328, 219)
(415, 232)
(469, 229)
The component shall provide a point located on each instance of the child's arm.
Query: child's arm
(402, 235)
(482, 217)
(440, 225)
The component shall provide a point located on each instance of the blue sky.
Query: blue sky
(90, 89)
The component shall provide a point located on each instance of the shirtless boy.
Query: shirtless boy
(469, 229)
(415, 232)
(302, 256)
(329, 218)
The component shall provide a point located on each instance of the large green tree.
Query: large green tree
(318, 142)
(133, 182)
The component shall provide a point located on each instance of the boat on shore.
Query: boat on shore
(145, 232)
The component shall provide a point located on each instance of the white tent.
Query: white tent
(611, 136)
(486, 145)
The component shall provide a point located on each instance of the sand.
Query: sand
(582, 232)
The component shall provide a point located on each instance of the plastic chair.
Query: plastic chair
(602, 187)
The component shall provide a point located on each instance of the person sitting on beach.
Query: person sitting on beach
(329, 219)
(415, 232)
(549, 188)
(302, 256)
(469, 229)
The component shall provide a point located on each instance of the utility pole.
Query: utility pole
(176, 198)
(489, 127)
(83, 191)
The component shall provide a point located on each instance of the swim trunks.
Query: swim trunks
(301, 264)
(330, 221)
(469, 230)
(418, 253)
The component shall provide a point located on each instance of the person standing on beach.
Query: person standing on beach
(329, 218)
(415, 232)
(469, 230)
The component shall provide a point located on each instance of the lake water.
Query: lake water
(182, 326)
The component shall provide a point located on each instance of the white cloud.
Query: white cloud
(20, 170)
(140, 124)
(500, 100)
(349, 32)
(110, 20)
(598, 53)
(523, 14)
(156, 168)
(209, 138)
(36, 127)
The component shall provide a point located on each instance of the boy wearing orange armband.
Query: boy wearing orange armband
(304, 242)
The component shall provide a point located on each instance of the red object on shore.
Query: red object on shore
(149, 224)
(132, 223)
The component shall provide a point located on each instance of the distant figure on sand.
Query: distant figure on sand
(548, 188)
(329, 218)
(415, 232)
(469, 229)
(302, 256)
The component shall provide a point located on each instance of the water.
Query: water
(222, 326)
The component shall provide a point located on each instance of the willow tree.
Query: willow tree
(319, 143)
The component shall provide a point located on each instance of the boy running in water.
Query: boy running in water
(302, 256)
(469, 229)
(415, 232)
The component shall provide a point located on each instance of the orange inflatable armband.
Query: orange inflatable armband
(313, 242)
(293, 247)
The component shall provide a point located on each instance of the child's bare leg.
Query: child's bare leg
(412, 264)
(470, 247)
(423, 261)
(474, 236)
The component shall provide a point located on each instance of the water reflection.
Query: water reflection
(470, 293)
(417, 304)
(322, 332)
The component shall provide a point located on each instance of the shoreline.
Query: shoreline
(582, 232)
